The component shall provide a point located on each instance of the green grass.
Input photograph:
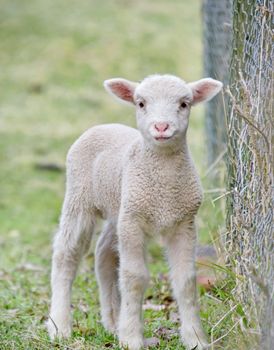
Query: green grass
(54, 56)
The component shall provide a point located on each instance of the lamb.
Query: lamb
(141, 182)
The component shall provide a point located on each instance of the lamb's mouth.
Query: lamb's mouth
(162, 138)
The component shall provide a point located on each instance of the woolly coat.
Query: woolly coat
(113, 172)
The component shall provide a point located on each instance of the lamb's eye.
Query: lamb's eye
(141, 104)
(183, 105)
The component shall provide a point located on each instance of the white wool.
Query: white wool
(142, 182)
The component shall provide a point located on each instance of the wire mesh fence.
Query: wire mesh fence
(250, 121)
(250, 160)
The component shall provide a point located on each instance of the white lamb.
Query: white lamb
(142, 182)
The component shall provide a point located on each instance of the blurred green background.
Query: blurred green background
(54, 57)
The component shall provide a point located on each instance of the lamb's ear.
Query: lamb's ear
(121, 88)
(205, 89)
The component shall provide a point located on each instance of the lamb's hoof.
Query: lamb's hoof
(194, 340)
(132, 343)
(110, 326)
(195, 345)
(58, 329)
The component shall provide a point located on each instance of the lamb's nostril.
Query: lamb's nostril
(161, 127)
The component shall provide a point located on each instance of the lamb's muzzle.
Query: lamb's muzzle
(161, 127)
(141, 182)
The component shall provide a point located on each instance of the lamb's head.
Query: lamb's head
(163, 104)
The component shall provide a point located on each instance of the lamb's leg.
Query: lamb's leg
(180, 252)
(133, 278)
(70, 243)
(106, 264)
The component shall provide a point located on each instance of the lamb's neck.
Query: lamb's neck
(181, 151)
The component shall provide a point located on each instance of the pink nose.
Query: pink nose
(161, 127)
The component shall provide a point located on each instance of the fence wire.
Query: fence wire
(250, 162)
(217, 29)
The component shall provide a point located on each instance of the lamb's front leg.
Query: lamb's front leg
(133, 278)
(181, 256)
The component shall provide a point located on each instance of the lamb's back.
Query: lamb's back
(95, 162)
(103, 137)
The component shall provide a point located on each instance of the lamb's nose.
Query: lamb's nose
(161, 126)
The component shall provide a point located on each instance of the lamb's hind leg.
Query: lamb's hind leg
(70, 244)
(106, 264)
